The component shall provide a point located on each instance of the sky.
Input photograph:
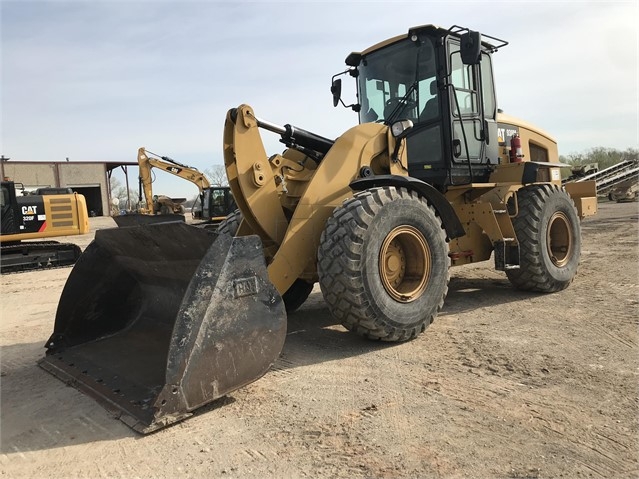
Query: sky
(95, 80)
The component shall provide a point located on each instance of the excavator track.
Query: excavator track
(27, 256)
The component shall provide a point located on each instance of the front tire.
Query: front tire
(549, 236)
(230, 224)
(383, 264)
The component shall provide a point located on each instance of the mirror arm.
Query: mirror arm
(336, 89)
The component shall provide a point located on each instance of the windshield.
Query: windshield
(398, 82)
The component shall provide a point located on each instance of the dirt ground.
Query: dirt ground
(503, 384)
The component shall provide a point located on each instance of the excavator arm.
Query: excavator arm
(164, 163)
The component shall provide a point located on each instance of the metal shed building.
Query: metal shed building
(91, 179)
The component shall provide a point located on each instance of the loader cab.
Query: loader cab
(445, 89)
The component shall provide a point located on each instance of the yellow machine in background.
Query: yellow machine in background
(433, 176)
(158, 204)
(26, 219)
(214, 202)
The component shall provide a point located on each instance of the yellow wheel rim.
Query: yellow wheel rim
(559, 241)
(404, 264)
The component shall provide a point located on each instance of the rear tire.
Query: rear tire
(549, 236)
(299, 290)
(383, 264)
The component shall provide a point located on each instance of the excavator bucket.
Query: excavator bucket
(156, 321)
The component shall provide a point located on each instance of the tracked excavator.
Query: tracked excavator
(216, 202)
(29, 220)
(433, 176)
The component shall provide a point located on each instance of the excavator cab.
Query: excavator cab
(217, 203)
(10, 209)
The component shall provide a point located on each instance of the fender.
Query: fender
(444, 209)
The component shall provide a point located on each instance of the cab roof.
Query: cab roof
(354, 58)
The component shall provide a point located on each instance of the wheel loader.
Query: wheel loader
(156, 321)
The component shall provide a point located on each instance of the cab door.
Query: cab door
(473, 112)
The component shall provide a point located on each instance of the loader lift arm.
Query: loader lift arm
(286, 199)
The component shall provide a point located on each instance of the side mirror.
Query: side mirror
(470, 48)
(336, 90)
(401, 128)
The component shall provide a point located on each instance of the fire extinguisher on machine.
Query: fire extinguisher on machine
(516, 154)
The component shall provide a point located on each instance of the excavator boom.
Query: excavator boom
(189, 173)
(215, 201)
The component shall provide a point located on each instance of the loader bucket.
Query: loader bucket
(157, 320)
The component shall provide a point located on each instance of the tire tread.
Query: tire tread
(532, 275)
(339, 258)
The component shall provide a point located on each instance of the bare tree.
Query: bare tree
(126, 202)
(217, 175)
